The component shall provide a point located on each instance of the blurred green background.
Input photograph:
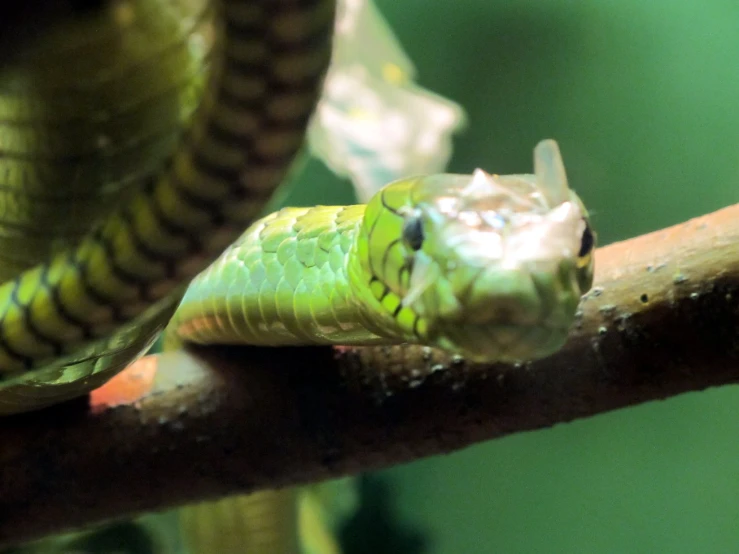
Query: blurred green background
(644, 100)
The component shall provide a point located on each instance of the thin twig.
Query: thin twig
(662, 319)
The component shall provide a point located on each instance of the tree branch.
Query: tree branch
(662, 319)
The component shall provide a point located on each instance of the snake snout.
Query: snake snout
(513, 314)
(503, 296)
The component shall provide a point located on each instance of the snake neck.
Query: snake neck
(380, 267)
(372, 301)
(292, 278)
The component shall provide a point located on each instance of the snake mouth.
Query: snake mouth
(500, 342)
(510, 317)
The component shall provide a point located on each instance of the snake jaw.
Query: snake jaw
(502, 314)
(510, 315)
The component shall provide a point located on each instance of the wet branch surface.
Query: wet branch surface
(662, 319)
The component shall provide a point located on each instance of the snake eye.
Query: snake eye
(413, 232)
(587, 242)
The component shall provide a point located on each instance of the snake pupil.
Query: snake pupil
(586, 242)
(413, 232)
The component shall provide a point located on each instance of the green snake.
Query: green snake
(138, 139)
(488, 267)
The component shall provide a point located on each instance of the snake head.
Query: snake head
(490, 267)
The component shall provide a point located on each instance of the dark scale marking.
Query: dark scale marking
(315, 40)
(228, 177)
(4, 344)
(120, 272)
(261, 72)
(245, 30)
(299, 5)
(296, 121)
(388, 206)
(31, 326)
(89, 289)
(10, 351)
(152, 256)
(239, 193)
(385, 292)
(225, 135)
(249, 68)
(397, 309)
(416, 319)
(234, 191)
(259, 163)
(228, 135)
(249, 28)
(177, 230)
(386, 254)
(82, 269)
(401, 269)
(307, 44)
(275, 160)
(278, 89)
(213, 207)
(257, 69)
(211, 168)
(61, 309)
(278, 125)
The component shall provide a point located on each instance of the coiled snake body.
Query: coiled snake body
(138, 139)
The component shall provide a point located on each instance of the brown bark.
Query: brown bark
(662, 319)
